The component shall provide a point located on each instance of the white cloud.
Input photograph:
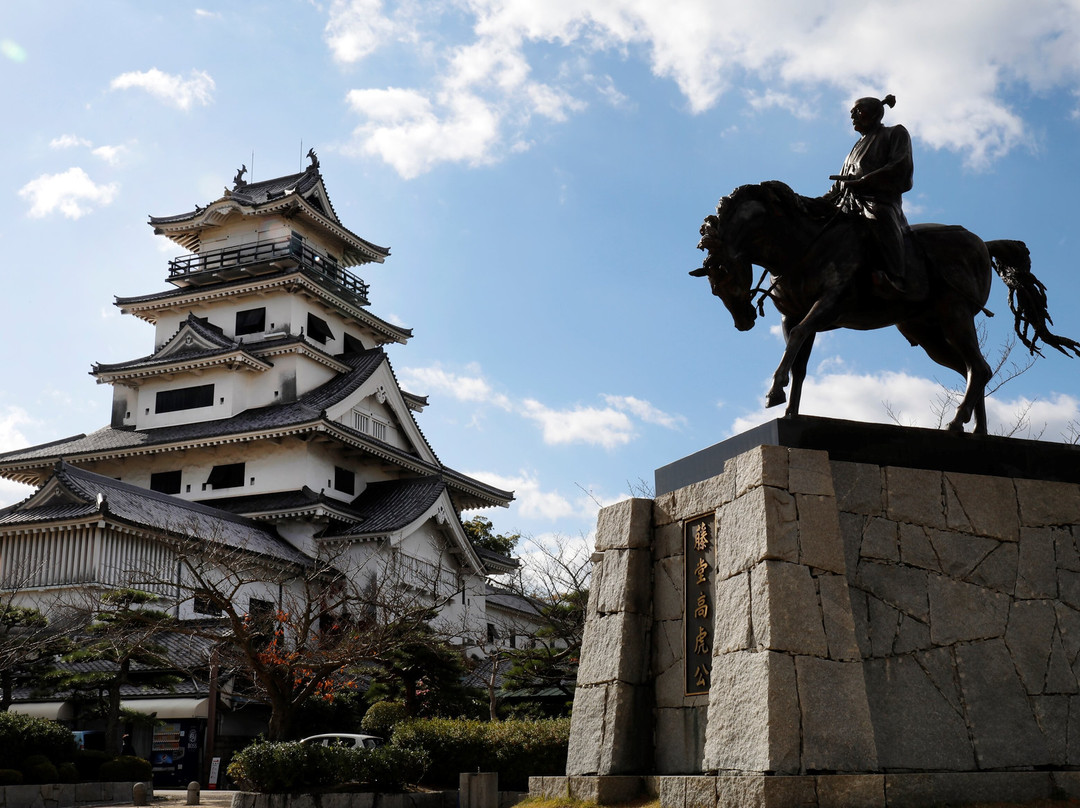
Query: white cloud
(793, 49)
(597, 427)
(12, 419)
(645, 411)
(68, 142)
(471, 388)
(890, 397)
(174, 90)
(608, 426)
(203, 14)
(72, 193)
(355, 28)
(411, 134)
(110, 154)
(530, 499)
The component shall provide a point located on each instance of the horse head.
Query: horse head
(726, 237)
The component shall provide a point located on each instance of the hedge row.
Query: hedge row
(36, 750)
(296, 767)
(515, 749)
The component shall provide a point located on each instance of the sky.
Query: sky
(540, 171)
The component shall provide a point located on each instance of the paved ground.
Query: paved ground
(169, 798)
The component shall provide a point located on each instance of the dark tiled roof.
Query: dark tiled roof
(390, 505)
(151, 510)
(306, 409)
(396, 332)
(307, 412)
(513, 601)
(259, 193)
(301, 499)
(496, 562)
(304, 185)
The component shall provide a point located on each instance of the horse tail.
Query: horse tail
(1027, 297)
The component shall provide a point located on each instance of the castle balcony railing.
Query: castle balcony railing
(267, 258)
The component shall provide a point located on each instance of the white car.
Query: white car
(347, 739)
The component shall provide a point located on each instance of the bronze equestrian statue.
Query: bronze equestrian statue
(829, 269)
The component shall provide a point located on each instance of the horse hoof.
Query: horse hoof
(774, 399)
(955, 427)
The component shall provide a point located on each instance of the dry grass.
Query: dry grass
(645, 802)
(567, 802)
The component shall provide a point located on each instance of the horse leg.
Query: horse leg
(800, 335)
(954, 343)
(798, 375)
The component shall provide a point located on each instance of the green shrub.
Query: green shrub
(22, 736)
(453, 745)
(10, 777)
(39, 769)
(68, 772)
(126, 768)
(292, 767)
(514, 749)
(382, 717)
(89, 762)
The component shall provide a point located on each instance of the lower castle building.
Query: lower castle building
(266, 423)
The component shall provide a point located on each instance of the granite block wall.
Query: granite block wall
(866, 620)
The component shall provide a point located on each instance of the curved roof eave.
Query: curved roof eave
(180, 228)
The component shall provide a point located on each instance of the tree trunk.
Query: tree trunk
(7, 686)
(280, 723)
(112, 721)
(410, 700)
(493, 702)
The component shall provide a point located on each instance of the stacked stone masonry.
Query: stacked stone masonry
(870, 621)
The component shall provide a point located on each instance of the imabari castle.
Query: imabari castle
(266, 419)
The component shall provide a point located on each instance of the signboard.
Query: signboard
(699, 575)
(215, 765)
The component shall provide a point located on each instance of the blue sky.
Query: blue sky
(540, 171)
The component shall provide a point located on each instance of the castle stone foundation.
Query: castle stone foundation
(850, 615)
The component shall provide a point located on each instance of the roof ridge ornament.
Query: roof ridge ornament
(239, 181)
(314, 160)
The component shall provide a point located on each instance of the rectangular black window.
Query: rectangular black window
(344, 480)
(184, 398)
(318, 329)
(251, 321)
(167, 482)
(353, 345)
(230, 475)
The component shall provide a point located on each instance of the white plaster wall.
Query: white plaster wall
(228, 387)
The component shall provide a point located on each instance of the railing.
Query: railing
(238, 261)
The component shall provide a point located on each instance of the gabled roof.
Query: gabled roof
(302, 194)
(74, 494)
(305, 416)
(392, 505)
(195, 345)
(198, 345)
(383, 509)
(147, 307)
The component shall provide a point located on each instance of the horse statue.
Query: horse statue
(821, 267)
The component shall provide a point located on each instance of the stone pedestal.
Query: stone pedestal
(879, 633)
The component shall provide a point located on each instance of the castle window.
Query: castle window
(368, 425)
(344, 480)
(318, 329)
(229, 475)
(251, 321)
(352, 345)
(167, 482)
(184, 398)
